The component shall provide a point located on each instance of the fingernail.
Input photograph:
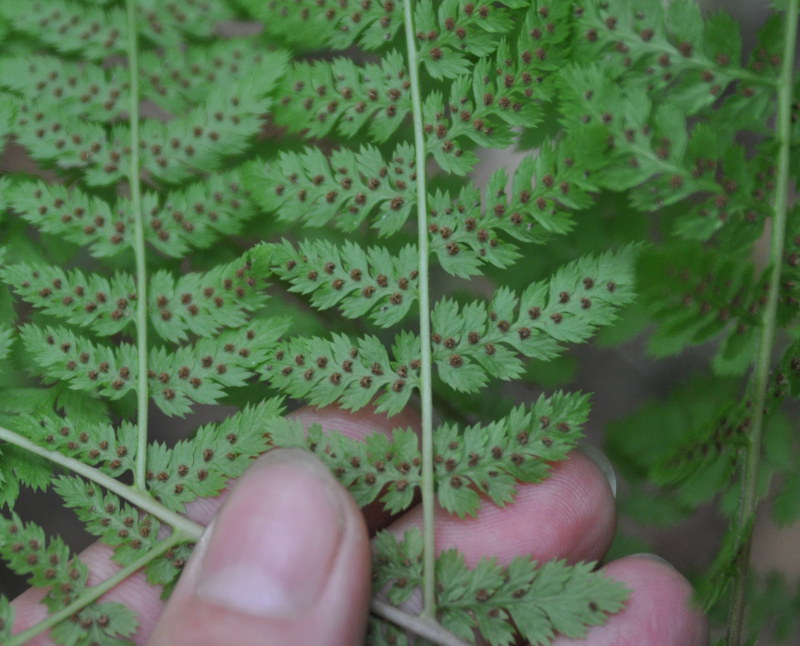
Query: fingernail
(602, 462)
(273, 544)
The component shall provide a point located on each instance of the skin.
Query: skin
(286, 560)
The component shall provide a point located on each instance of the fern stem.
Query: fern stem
(761, 376)
(425, 387)
(143, 396)
(188, 528)
(430, 630)
(95, 592)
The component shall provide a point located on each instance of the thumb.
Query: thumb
(285, 561)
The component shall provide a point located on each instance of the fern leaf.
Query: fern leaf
(185, 76)
(100, 623)
(199, 373)
(42, 561)
(491, 459)
(199, 140)
(111, 450)
(203, 372)
(454, 30)
(65, 356)
(90, 301)
(351, 372)
(203, 465)
(697, 296)
(196, 216)
(362, 282)
(311, 24)
(317, 97)
(19, 467)
(174, 22)
(379, 465)
(117, 524)
(81, 90)
(475, 342)
(536, 601)
(347, 186)
(70, 27)
(67, 142)
(204, 303)
(488, 460)
(694, 60)
(72, 215)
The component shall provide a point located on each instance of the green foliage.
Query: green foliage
(223, 209)
(537, 602)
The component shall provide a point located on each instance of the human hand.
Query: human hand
(286, 558)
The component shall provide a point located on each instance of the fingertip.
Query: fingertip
(287, 560)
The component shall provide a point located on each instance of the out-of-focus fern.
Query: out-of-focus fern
(189, 181)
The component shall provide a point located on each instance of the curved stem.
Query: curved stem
(763, 362)
(188, 528)
(430, 630)
(143, 396)
(426, 391)
(95, 592)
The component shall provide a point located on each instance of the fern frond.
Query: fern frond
(349, 371)
(203, 465)
(69, 27)
(86, 300)
(183, 76)
(451, 32)
(172, 22)
(30, 554)
(478, 341)
(72, 215)
(201, 373)
(362, 282)
(346, 187)
(196, 216)
(478, 460)
(693, 59)
(18, 468)
(65, 356)
(82, 90)
(697, 296)
(117, 524)
(199, 140)
(312, 24)
(67, 142)
(204, 303)
(317, 97)
(111, 450)
(492, 459)
(535, 601)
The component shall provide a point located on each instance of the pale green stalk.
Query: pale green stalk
(763, 361)
(426, 396)
(95, 592)
(189, 529)
(143, 396)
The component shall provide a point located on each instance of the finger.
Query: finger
(144, 599)
(659, 611)
(570, 515)
(285, 562)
